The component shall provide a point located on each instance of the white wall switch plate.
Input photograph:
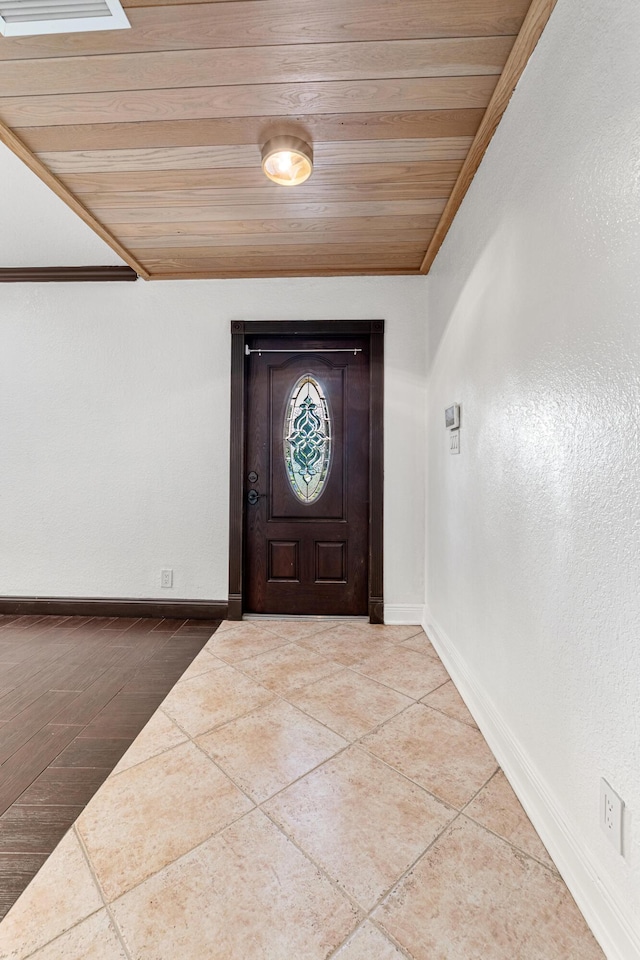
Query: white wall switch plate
(611, 814)
(166, 578)
(454, 441)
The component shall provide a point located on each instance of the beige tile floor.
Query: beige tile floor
(306, 791)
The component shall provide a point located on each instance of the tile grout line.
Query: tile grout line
(448, 715)
(342, 666)
(395, 689)
(348, 743)
(276, 634)
(389, 890)
(235, 625)
(280, 697)
(367, 919)
(251, 656)
(289, 643)
(337, 732)
(361, 911)
(106, 903)
(161, 753)
(480, 789)
(322, 870)
(400, 947)
(307, 855)
(444, 713)
(352, 669)
(359, 926)
(256, 803)
(259, 806)
(365, 916)
(154, 873)
(377, 923)
(499, 836)
(554, 870)
(237, 819)
(414, 783)
(359, 743)
(356, 742)
(73, 926)
(284, 697)
(222, 723)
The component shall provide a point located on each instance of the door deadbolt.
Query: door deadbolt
(253, 476)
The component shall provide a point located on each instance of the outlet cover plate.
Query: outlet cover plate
(611, 814)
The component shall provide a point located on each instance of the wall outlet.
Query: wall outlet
(611, 814)
(166, 578)
(454, 441)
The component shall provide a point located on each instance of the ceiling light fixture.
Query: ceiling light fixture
(287, 160)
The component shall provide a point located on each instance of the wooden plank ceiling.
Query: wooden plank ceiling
(153, 134)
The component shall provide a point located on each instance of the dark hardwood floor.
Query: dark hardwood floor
(74, 693)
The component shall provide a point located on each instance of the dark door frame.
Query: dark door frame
(240, 331)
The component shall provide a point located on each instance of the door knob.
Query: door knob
(253, 496)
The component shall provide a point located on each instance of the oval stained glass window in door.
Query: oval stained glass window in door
(307, 439)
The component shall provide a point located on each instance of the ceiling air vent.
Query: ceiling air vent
(25, 18)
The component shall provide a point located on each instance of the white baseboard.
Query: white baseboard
(400, 613)
(613, 929)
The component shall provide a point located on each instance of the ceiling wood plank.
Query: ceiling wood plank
(343, 192)
(245, 155)
(254, 252)
(234, 188)
(356, 270)
(238, 23)
(535, 22)
(301, 63)
(115, 217)
(252, 178)
(196, 233)
(189, 245)
(298, 244)
(36, 166)
(271, 99)
(422, 124)
(364, 260)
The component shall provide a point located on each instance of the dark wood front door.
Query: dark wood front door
(306, 483)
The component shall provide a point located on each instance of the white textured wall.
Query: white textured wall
(37, 229)
(534, 530)
(114, 429)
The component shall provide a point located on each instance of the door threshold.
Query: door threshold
(286, 616)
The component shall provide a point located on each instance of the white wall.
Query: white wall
(114, 429)
(533, 546)
(37, 229)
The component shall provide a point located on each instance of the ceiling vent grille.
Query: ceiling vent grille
(25, 18)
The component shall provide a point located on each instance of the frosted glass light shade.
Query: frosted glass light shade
(287, 160)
